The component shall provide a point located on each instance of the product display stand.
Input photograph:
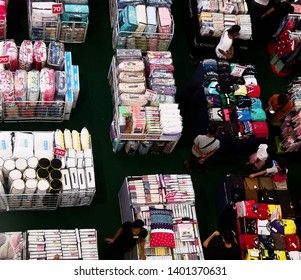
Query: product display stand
(290, 138)
(146, 117)
(141, 26)
(65, 179)
(264, 217)
(50, 244)
(140, 194)
(43, 25)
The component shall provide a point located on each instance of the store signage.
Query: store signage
(59, 152)
(150, 95)
(57, 9)
(4, 59)
(238, 70)
(228, 8)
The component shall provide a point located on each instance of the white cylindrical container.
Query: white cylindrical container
(43, 186)
(8, 166)
(29, 173)
(13, 175)
(21, 164)
(31, 186)
(1, 163)
(17, 187)
(32, 162)
(2, 178)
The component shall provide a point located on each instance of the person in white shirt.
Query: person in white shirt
(204, 147)
(224, 49)
(278, 171)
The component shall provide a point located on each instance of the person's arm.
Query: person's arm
(197, 149)
(207, 156)
(269, 11)
(142, 252)
(117, 234)
(260, 173)
(208, 240)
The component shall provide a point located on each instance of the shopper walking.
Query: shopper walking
(204, 147)
(258, 159)
(126, 238)
(224, 49)
(222, 246)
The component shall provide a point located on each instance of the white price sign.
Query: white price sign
(150, 95)
(228, 8)
(238, 70)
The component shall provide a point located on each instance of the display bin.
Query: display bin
(138, 40)
(39, 111)
(24, 202)
(76, 198)
(3, 29)
(46, 30)
(77, 177)
(73, 32)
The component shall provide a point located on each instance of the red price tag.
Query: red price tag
(59, 152)
(4, 59)
(57, 9)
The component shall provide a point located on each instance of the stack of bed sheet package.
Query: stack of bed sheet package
(147, 25)
(44, 170)
(43, 23)
(144, 90)
(74, 21)
(66, 244)
(37, 83)
(169, 199)
(213, 24)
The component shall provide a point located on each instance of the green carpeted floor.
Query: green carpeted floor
(94, 110)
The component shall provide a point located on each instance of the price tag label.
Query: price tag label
(59, 152)
(238, 70)
(57, 9)
(4, 59)
(228, 8)
(150, 95)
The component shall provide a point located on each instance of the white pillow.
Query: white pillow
(6, 150)
(23, 145)
(43, 144)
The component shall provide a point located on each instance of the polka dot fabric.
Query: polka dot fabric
(162, 234)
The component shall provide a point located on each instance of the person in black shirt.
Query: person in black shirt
(125, 239)
(225, 248)
(272, 18)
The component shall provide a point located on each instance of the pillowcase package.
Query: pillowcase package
(162, 234)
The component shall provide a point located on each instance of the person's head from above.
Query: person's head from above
(228, 237)
(137, 226)
(233, 31)
(212, 129)
(282, 99)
